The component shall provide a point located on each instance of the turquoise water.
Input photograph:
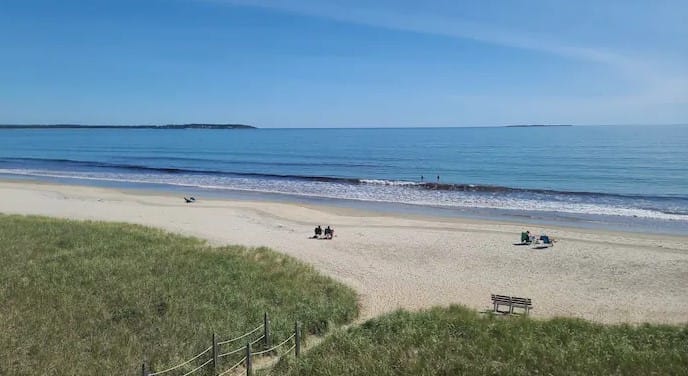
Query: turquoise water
(604, 173)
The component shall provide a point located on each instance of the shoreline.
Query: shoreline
(349, 207)
(513, 216)
(411, 261)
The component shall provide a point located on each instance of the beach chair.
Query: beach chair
(543, 242)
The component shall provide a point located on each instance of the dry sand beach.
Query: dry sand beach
(399, 261)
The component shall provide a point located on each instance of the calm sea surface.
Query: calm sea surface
(616, 174)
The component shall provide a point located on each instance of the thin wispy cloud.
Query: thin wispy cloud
(656, 78)
(432, 24)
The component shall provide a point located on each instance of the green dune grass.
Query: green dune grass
(91, 298)
(459, 341)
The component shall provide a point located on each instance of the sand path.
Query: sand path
(398, 261)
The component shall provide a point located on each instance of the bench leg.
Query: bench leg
(496, 307)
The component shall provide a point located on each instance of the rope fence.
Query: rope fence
(232, 368)
(274, 347)
(181, 364)
(235, 351)
(257, 340)
(199, 367)
(242, 336)
(246, 360)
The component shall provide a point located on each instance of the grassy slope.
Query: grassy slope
(456, 341)
(95, 298)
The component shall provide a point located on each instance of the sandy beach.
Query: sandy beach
(411, 262)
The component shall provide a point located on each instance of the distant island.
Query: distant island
(166, 126)
(537, 125)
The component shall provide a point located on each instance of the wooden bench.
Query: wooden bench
(512, 302)
(501, 300)
(524, 303)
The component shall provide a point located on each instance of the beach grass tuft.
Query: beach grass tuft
(460, 341)
(85, 298)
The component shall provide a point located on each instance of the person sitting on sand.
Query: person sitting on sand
(318, 232)
(328, 233)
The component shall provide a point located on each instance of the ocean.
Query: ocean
(626, 177)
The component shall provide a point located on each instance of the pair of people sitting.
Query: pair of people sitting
(328, 232)
(527, 238)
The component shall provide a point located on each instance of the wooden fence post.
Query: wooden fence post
(215, 365)
(143, 369)
(266, 330)
(249, 361)
(297, 338)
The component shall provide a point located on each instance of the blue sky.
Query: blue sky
(308, 63)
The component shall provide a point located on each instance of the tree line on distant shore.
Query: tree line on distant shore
(166, 126)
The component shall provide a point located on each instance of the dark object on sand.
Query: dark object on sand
(512, 302)
(543, 242)
(189, 200)
(525, 238)
(329, 233)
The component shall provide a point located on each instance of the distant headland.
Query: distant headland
(166, 126)
(537, 125)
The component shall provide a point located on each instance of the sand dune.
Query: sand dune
(397, 261)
